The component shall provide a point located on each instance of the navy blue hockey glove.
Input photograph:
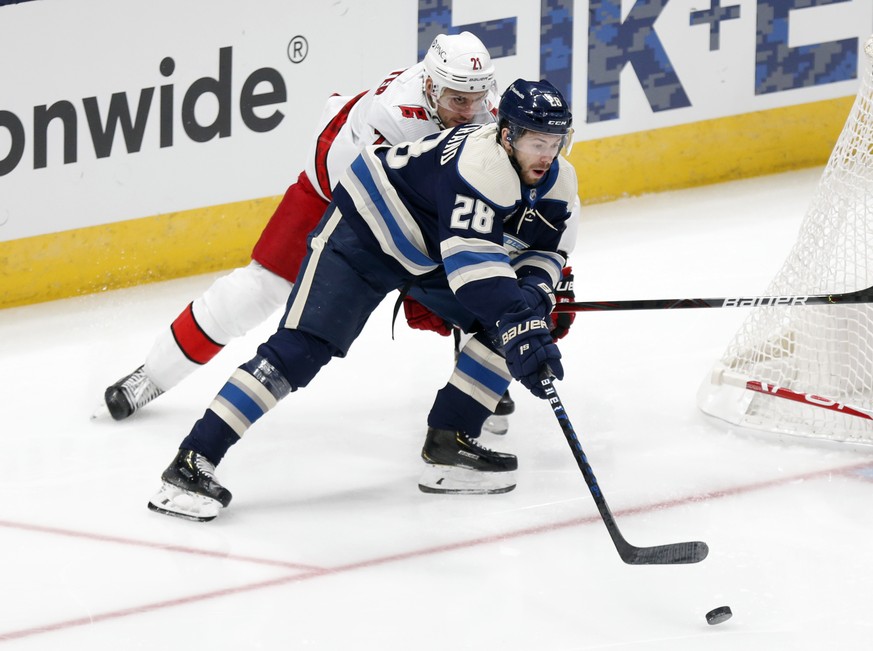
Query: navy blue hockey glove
(528, 346)
(537, 294)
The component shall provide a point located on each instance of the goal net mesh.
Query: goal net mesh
(823, 351)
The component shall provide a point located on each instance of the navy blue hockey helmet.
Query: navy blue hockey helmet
(535, 106)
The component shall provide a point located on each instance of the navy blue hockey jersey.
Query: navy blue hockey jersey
(454, 199)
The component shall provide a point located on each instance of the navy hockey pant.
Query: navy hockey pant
(343, 279)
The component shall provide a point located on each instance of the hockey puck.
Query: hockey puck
(718, 615)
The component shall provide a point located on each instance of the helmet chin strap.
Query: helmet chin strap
(514, 162)
(431, 103)
(511, 157)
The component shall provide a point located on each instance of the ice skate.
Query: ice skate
(190, 489)
(456, 463)
(130, 394)
(498, 422)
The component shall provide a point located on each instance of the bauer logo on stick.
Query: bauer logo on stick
(764, 301)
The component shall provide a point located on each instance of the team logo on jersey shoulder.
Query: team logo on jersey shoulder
(413, 112)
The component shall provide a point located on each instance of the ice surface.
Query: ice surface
(328, 543)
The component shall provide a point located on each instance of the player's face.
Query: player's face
(533, 153)
(455, 107)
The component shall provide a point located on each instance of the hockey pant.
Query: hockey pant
(342, 280)
(245, 298)
(233, 305)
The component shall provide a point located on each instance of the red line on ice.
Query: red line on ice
(308, 572)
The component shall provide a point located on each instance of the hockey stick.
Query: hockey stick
(685, 552)
(776, 391)
(860, 296)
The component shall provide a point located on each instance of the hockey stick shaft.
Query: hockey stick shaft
(685, 552)
(811, 399)
(848, 298)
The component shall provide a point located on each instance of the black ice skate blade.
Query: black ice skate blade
(184, 516)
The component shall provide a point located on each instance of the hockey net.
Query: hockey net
(822, 356)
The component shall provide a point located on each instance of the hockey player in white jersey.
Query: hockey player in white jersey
(475, 214)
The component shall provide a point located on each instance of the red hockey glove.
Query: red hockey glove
(420, 318)
(561, 321)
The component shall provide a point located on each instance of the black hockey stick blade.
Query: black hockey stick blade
(674, 554)
(848, 298)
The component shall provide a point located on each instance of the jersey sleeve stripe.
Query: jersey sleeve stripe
(471, 273)
(324, 142)
(463, 259)
(455, 245)
(387, 217)
(467, 260)
(549, 262)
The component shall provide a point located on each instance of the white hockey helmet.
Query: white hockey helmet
(460, 62)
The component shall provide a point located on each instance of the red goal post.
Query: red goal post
(811, 367)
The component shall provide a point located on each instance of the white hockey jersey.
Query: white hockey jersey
(395, 111)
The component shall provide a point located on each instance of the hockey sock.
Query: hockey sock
(297, 356)
(192, 340)
(252, 390)
(455, 410)
(211, 437)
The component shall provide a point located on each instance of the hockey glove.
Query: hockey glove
(537, 294)
(527, 346)
(420, 318)
(561, 321)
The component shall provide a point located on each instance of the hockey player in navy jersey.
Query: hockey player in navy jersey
(453, 85)
(469, 220)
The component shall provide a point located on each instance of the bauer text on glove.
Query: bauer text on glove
(528, 346)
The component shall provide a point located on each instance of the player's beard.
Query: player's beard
(518, 170)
